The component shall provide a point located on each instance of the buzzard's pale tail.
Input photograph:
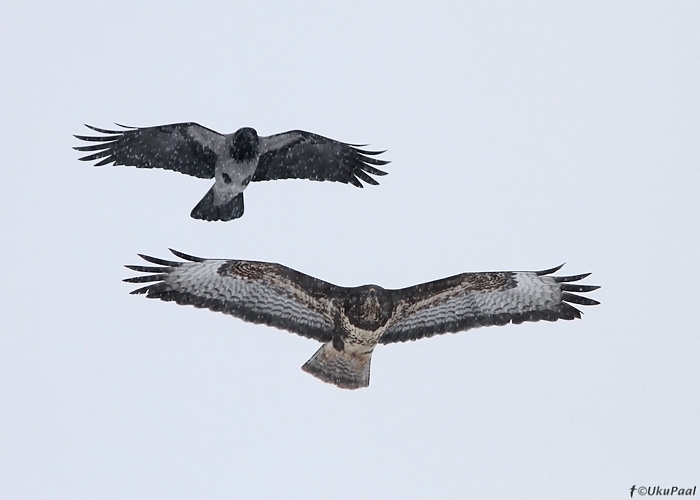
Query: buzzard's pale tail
(207, 210)
(348, 368)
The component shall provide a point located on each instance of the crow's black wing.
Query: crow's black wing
(302, 155)
(188, 148)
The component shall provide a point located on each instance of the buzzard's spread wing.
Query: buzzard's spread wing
(481, 299)
(302, 155)
(184, 147)
(258, 292)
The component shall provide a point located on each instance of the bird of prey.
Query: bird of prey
(350, 322)
(232, 160)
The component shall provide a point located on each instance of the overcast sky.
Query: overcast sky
(522, 135)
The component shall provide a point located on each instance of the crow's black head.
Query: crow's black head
(244, 144)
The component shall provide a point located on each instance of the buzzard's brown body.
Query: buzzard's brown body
(352, 321)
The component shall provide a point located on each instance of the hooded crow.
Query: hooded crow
(232, 160)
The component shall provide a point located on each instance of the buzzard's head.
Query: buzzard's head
(368, 307)
(244, 144)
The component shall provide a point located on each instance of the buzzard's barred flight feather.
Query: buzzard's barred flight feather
(232, 160)
(351, 321)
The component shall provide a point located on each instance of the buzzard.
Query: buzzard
(232, 160)
(352, 321)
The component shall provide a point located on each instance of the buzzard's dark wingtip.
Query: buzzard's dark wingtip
(549, 271)
(564, 279)
(577, 299)
(566, 287)
(147, 269)
(160, 262)
(156, 274)
(185, 256)
(146, 279)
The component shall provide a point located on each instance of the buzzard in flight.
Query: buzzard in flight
(232, 160)
(352, 321)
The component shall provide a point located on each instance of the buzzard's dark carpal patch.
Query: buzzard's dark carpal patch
(459, 284)
(250, 270)
(351, 322)
(489, 281)
(281, 277)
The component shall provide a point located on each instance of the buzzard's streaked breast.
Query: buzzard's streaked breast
(368, 307)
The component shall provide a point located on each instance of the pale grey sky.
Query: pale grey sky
(522, 135)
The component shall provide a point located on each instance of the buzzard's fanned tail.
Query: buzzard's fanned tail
(207, 210)
(347, 369)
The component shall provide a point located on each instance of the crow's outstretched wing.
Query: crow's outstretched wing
(188, 148)
(302, 155)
